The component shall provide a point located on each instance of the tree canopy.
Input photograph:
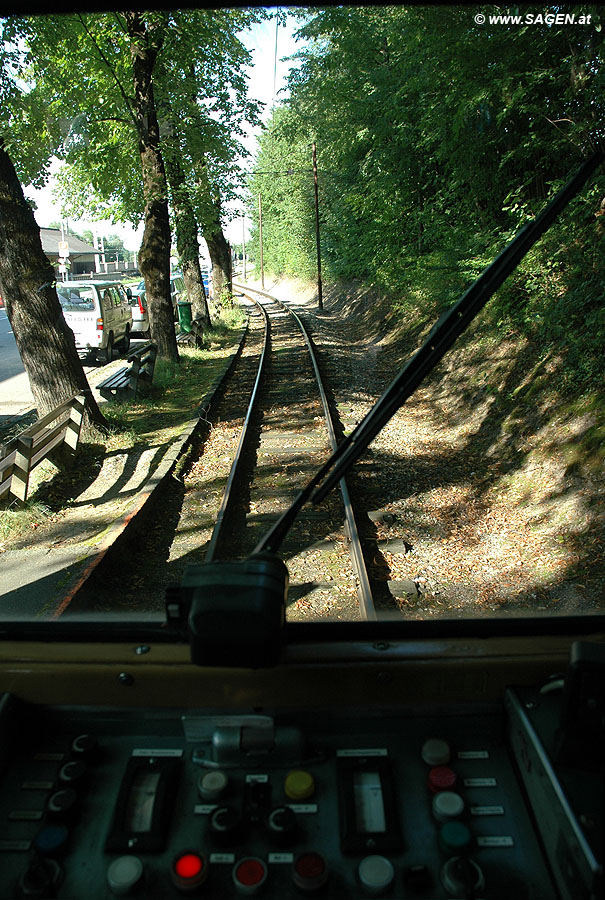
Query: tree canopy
(72, 96)
(437, 139)
(117, 95)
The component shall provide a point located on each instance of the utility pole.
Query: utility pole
(244, 243)
(320, 302)
(260, 229)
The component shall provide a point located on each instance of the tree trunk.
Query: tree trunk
(210, 222)
(186, 226)
(154, 255)
(220, 255)
(27, 279)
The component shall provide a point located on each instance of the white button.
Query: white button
(447, 805)
(376, 874)
(436, 752)
(124, 874)
(211, 785)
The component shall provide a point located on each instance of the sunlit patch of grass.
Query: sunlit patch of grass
(177, 391)
(178, 388)
(19, 519)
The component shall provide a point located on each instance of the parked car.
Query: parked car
(99, 314)
(177, 291)
(207, 279)
(140, 316)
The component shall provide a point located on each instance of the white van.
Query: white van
(99, 314)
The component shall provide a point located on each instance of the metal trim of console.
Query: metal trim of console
(542, 785)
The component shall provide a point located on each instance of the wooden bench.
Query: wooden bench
(56, 432)
(130, 381)
(195, 336)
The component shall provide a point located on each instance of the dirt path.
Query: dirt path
(479, 506)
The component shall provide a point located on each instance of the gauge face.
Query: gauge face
(144, 805)
(369, 804)
(141, 801)
(368, 818)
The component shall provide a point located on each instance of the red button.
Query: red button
(442, 778)
(189, 871)
(249, 874)
(188, 866)
(310, 872)
(310, 865)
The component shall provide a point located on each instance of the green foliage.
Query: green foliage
(67, 83)
(283, 180)
(437, 140)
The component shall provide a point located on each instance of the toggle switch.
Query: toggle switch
(417, 879)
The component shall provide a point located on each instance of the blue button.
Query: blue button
(51, 840)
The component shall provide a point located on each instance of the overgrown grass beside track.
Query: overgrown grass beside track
(177, 389)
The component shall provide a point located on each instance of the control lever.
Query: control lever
(259, 742)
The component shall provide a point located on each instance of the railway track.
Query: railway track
(268, 434)
(294, 391)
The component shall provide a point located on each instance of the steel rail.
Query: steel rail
(364, 590)
(226, 498)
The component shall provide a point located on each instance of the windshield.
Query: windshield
(76, 299)
(360, 167)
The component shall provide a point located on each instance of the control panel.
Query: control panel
(164, 804)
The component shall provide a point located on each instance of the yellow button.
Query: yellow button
(299, 785)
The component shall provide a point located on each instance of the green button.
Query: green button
(455, 838)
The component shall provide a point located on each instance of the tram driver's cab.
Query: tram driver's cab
(224, 752)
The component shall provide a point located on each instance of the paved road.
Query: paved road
(15, 394)
(10, 361)
(16, 398)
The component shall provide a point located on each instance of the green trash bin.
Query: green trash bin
(184, 310)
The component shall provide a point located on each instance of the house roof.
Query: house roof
(52, 236)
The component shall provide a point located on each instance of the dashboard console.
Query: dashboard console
(480, 800)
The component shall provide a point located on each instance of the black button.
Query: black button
(417, 879)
